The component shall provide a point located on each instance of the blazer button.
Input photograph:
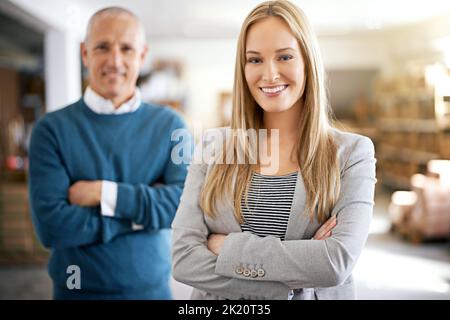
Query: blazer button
(239, 270)
(254, 273)
(261, 272)
(246, 272)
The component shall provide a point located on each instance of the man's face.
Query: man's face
(113, 54)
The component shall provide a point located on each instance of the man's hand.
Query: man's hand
(215, 242)
(324, 231)
(86, 193)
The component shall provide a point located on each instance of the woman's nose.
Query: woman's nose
(270, 73)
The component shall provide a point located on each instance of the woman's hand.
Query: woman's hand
(215, 242)
(324, 231)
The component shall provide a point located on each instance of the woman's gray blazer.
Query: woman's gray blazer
(252, 267)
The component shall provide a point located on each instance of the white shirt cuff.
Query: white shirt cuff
(109, 198)
(136, 227)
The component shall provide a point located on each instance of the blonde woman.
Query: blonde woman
(243, 231)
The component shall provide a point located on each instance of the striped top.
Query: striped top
(269, 204)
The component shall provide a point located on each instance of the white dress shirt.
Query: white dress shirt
(100, 105)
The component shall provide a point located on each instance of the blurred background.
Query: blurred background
(388, 75)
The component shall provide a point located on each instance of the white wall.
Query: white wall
(62, 69)
(209, 69)
(425, 42)
(64, 15)
(360, 51)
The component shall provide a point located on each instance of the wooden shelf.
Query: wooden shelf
(408, 125)
(409, 133)
(394, 180)
(405, 154)
(18, 241)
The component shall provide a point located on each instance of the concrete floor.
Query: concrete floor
(389, 268)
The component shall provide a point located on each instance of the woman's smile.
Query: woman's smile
(275, 91)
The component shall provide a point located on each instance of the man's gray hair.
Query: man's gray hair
(115, 12)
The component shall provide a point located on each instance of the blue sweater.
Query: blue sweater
(132, 149)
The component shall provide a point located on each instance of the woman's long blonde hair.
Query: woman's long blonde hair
(317, 152)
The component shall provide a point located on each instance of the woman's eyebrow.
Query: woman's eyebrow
(278, 50)
(284, 49)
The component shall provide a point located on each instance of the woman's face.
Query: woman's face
(274, 67)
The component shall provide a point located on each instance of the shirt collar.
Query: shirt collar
(100, 105)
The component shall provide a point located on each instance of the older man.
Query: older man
(103, 187)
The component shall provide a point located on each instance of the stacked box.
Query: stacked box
(400, 209)
(407, 124)
(430, 218)
(18, 242)
(444, 145)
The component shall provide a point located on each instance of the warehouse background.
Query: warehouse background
(388, 74)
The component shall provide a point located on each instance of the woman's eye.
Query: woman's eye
(286, 57)
(254, 60)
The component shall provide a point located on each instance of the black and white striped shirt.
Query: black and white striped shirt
(269, 204)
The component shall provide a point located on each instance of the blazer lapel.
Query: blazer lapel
(229, 220)
(298, 219)
(225, 221)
